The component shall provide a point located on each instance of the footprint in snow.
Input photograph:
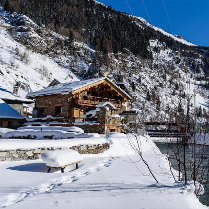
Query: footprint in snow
(74, 179)
(86, 174)
(55, 203)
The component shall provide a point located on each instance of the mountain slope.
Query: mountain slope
(160, 70)
(81, 20)
(23, 66)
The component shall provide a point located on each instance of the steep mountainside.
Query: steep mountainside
(23, 68)
(89, 39)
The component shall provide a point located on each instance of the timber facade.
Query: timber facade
(100, 97)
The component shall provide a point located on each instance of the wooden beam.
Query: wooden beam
(118, 91)
(114, 87)
(87, 87)
(65, 165)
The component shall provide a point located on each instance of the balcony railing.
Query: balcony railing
(93, 101)
(87, 102)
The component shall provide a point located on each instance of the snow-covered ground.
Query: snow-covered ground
(114, 179)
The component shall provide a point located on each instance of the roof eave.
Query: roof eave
(128, 97)
(123, 93)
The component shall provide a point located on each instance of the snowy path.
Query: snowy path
(30, 178)
(103, 190)
(113, 180)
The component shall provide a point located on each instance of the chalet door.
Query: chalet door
(5, 124)
(75, 112)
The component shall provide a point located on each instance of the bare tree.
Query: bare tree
(135, 143)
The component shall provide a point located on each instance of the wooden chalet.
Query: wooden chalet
(73, 101)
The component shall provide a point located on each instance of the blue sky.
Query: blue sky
(189, 18)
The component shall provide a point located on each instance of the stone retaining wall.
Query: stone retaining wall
(32, 154)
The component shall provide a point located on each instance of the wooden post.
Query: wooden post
(62, 170)
(76, 165)
(49, 169)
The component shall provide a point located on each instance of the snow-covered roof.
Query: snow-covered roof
(8, 96)
(65, 88)
(91, 113)
(8, 112)
(103, 104)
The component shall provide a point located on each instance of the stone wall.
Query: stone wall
(32, 154)
(93, 128)
(10, 123)
(50, 102)
(101, 128)
(112, 124)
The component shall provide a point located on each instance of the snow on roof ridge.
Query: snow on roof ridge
(65, 88)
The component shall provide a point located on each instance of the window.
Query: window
(40, 112)
(58, 110)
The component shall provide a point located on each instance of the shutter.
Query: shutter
(75, 112)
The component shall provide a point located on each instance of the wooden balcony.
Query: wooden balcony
(87, 102)
(94, 101)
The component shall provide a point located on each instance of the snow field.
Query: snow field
(87, 167)
(124, 183)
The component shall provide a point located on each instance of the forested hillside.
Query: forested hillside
(90, 39)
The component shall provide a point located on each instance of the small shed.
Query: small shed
(20, 104)
(9, 118)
